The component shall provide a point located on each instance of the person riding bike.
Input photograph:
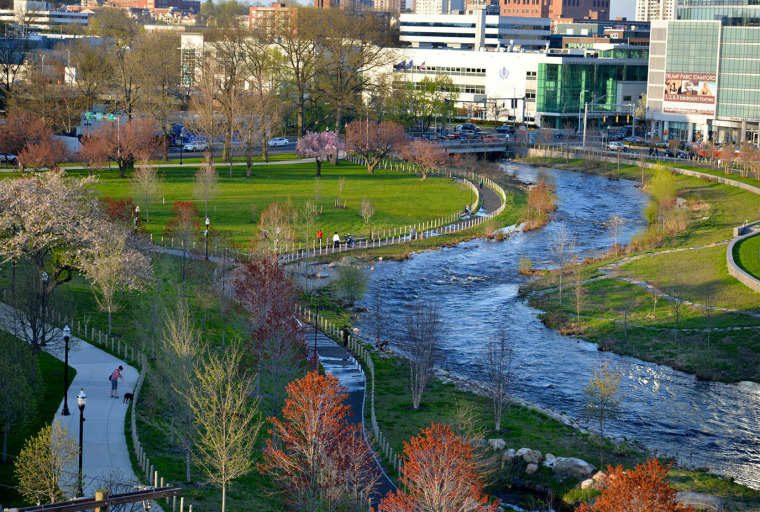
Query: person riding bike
(349, 240)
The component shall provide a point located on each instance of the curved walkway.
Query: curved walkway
(104, 452)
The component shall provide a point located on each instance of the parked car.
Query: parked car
(467, 127)
(634, 139)
(559, 135)
(505, 128)
(616, 146)
(196, 146)
(431, 136)
(672, 153)
(278, 141)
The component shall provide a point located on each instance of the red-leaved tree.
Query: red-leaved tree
(319, 146)
(426, 156)
(277, 343)
(18, 130)
(184, 228)
(123, 143)
(120, 211)
(45, 154)
(309, 456)
(373, 141)
(642, 489)
(440, 475)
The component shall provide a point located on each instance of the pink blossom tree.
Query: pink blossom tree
(320, 146)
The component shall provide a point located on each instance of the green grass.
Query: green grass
(51, 370)
(746, 255)
(400, 199)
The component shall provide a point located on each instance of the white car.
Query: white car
(616, 146)
(196, 146)
(279, 141)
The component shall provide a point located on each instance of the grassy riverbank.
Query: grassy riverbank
(685, 265)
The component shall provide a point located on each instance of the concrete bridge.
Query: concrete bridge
(477, 147)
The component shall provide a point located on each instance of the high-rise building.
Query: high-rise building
(433, 7)
(648, 10)
(558, 9)
(704, 72)
(270, 19)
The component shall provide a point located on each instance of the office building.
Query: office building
(34, 15)
(270, 19)
(650, 10)
(557, 9)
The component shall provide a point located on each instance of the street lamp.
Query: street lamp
(580, 106)
(137, 216)
(44, 295)
(66, 334)
(205, 234)
(82, 400)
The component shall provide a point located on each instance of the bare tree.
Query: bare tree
(226, 418)
(677, 307)
(341, 188)
(147, 185)
(46, 466)
(709, 320)
(602, 401)
(206, 183)
(422, 345)
(367, 210)
(563, 247)
(306, 215)
(614, 224)
(497, 363)
(351, 283)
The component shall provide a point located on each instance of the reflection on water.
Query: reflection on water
(704, 423)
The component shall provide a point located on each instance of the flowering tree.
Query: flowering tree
(440, 475)
(373, 140)
(315, 442)
(122, 143)
(642, 489)
(45, 154)
(425, 155)
(18, 130)
(275, 229)
(320, 146)
(268, 298)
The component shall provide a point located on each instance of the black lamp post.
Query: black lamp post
(82, 399)
(205, 234)
(44, 295)
(316, 331)
(66, 334)
(137, 216)
(181, 147)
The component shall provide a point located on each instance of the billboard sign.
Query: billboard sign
(690, 93)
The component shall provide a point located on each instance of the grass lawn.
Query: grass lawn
(746, 255)
(51, 370)
(400, 198)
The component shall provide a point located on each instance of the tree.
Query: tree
(579, 292)
(314, 450)
(275, 230)
(13, 52)
(20, 130)
(497, 361)
(206, 183)
(226, 418)
(664, 190)
(320, 146)
(602, 398)
(146, 185)
(425, 155)
(45, 468)
(19, 382)
(94, 69)
(276, 341)
(45, 154)
(373, 140)
(180, 352)
(114, 267)
(563, 249)
(185, 227)
(615, 224)
(541, 199)
(641, 489)
(135, 140)
(440, 475)
(306, 214)
(351, 283)
(367, 210)
(418, 104)
(422, 344)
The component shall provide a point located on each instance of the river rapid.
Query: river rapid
(705, 424)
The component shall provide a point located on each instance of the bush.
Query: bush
(351, 283)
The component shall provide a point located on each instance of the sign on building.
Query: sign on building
(690, 93)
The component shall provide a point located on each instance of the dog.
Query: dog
(128, 397)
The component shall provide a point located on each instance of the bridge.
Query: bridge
(455, 147)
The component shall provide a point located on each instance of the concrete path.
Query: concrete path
(105, 443)
(337, 361)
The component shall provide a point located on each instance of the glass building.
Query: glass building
(704, 80)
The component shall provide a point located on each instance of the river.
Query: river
(707, 424)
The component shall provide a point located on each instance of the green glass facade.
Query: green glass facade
(739, 78)
(560, 85)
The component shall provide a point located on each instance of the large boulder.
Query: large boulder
(532, 468)
(574, 468)
(509, 456)
(589, 482)
(700, 501)
(533, 457)
(497, 444)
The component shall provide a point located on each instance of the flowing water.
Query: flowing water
(707, 424)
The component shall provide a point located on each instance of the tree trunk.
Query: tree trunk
(147, 211)
(300, 118)
(338, 119)
(187, 465)
(230, 166)
(248, 164)
(109, 321)
(319, 168)
(5, 439)
(264, 150)
(166, 149)
(224, 497)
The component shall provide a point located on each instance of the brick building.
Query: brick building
(558, 9)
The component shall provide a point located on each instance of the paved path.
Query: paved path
(105, 443)
(337, 361)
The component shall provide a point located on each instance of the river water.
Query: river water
(706, 424)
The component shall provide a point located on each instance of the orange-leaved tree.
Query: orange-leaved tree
(373, 140)
(426, 156)
(440, 475)
(642, 489)
(314, 450)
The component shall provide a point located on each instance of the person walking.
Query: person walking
(336, 240)
(114, 378)
(319, 237)
(345, 335)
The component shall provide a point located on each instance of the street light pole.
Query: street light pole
(137, 216)
(44, 297)
(66, 334)
(82, 399)
(205, 234)
(580, 104)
